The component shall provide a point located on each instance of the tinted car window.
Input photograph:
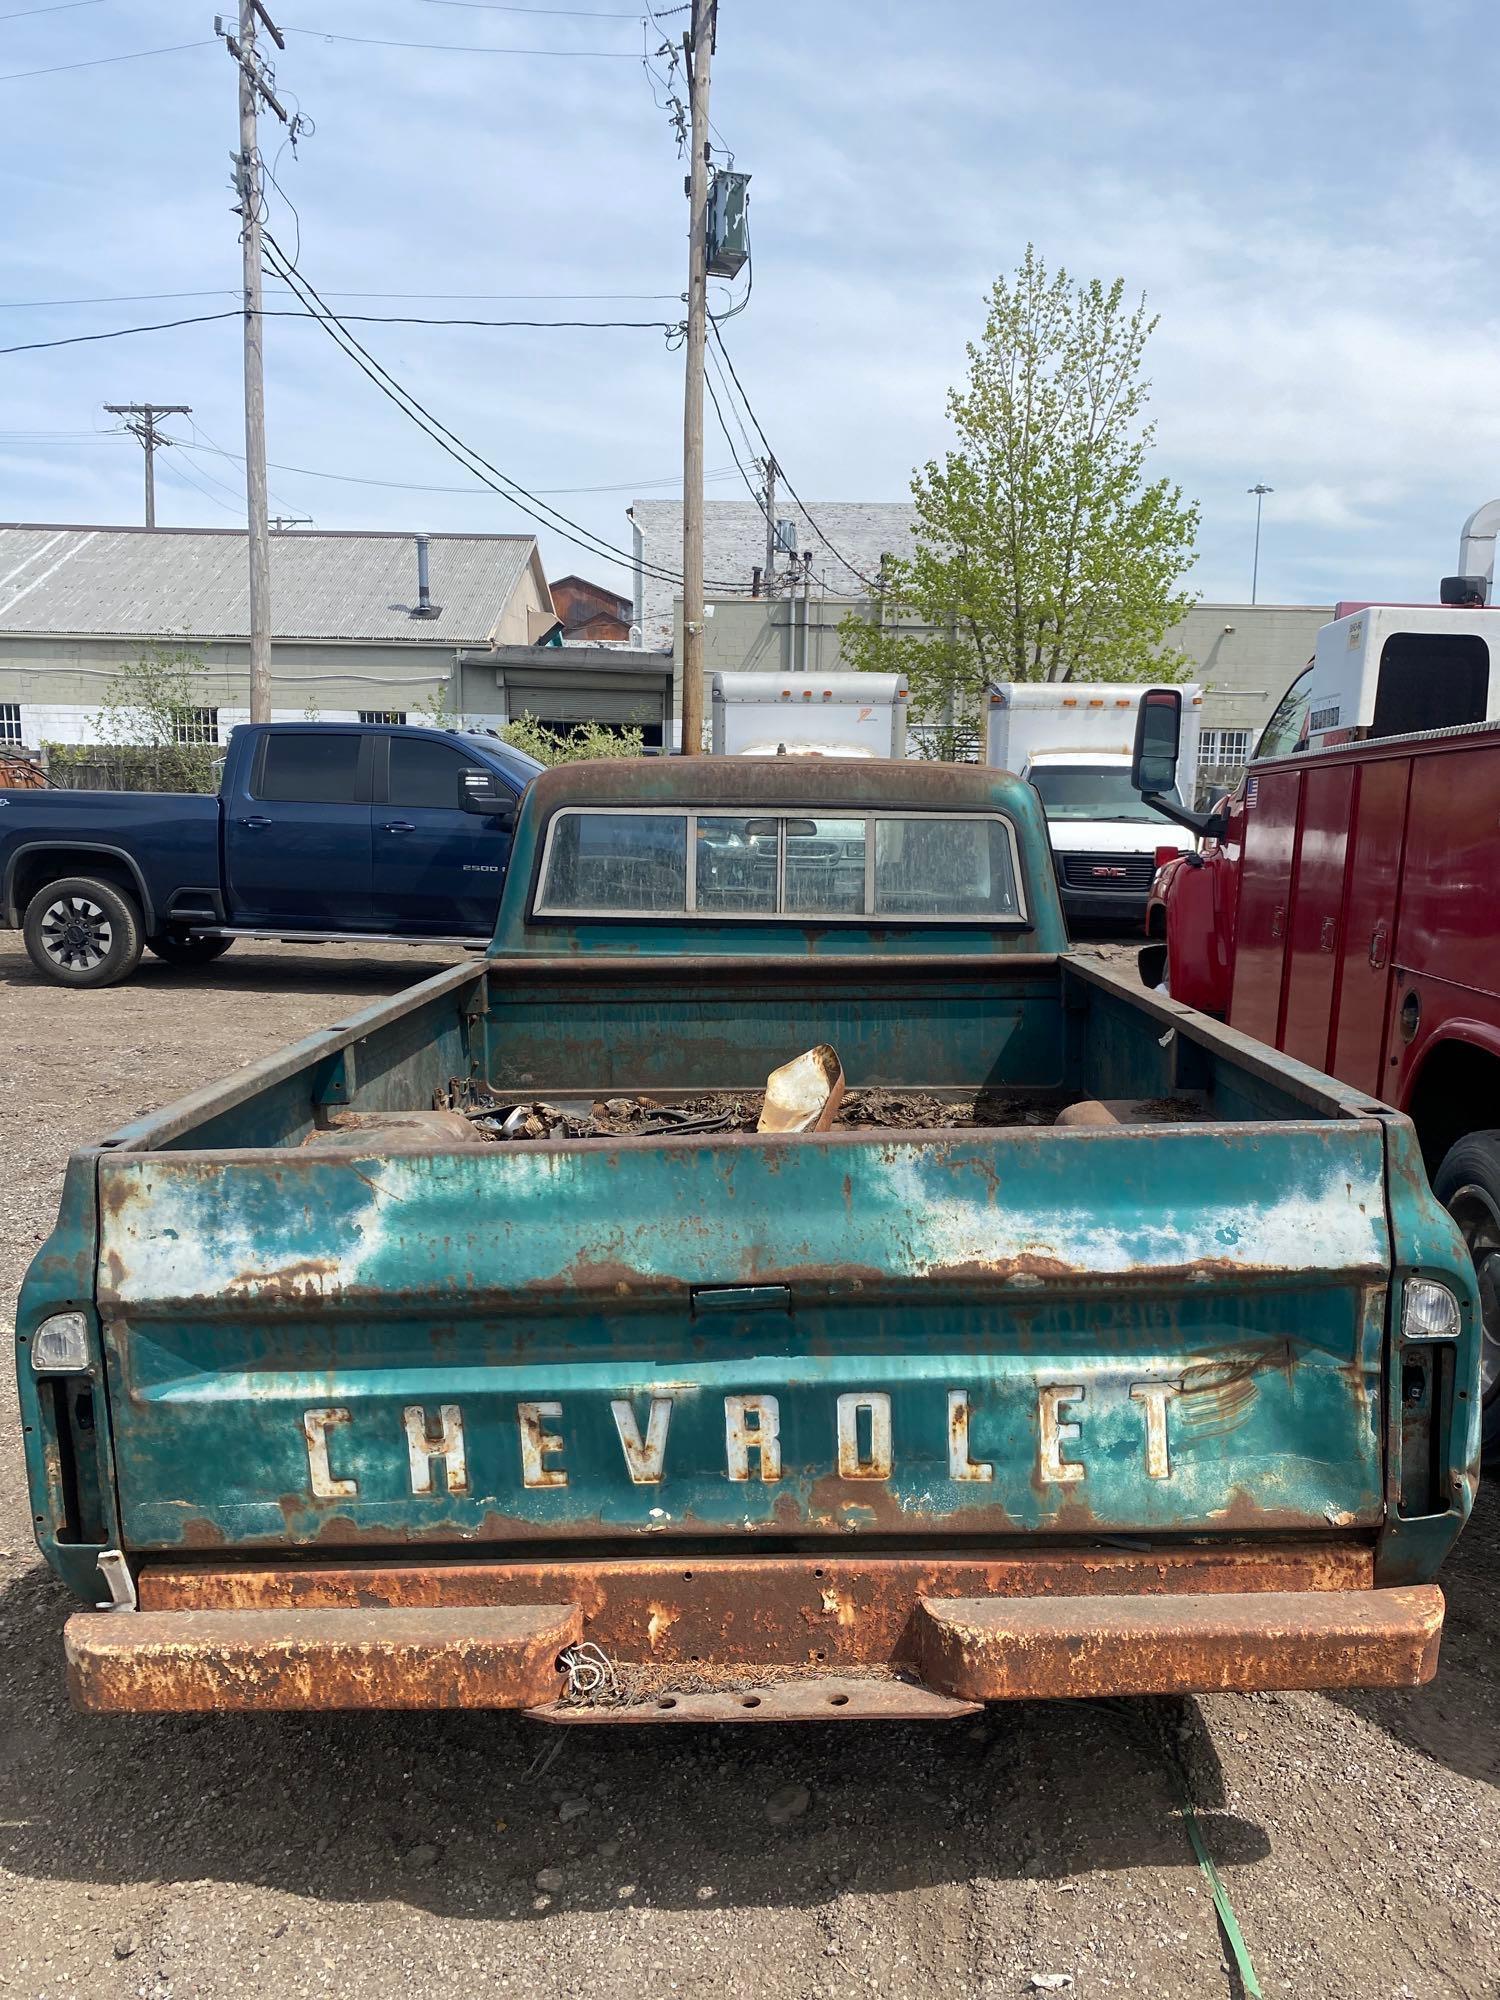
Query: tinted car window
(617, 862)
(426, 774)
(311, 767)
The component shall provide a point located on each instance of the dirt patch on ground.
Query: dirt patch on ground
(465, 1853)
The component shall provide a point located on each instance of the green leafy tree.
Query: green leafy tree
(149, 716)
(587, 740)
(1042, 551)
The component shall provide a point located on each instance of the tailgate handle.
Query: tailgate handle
(741, 1298)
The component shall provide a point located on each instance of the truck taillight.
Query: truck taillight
(1166, 854)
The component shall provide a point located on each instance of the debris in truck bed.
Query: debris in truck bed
(733, 1111)
(804, 1095)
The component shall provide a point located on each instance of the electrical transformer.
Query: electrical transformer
(728, 223)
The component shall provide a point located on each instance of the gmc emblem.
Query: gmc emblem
(1101, 872)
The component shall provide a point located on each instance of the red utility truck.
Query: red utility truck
(1344, 903)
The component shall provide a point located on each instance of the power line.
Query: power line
(760, 433)
(228, 292)
(181, 472)
(407, 485)
(119, 333)
(450, 442)
(95, 62)
(58, 7)
(503, 7)
(363, 319)
(461, 48)
(750, 486)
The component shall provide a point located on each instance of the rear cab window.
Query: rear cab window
(312, 767)
(849, 867)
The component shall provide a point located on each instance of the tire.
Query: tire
(1468, 1186)
(188, 952)
(81, 931)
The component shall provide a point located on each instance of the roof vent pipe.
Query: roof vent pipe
(1476, 543)
(425, 608)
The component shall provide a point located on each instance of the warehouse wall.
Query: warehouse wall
(60, 684)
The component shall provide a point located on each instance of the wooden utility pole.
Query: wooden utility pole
(697, 45)
(770, 491)
(255, 88)
(142, 425)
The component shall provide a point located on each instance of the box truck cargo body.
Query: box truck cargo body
(829, 715)
(1071, 741)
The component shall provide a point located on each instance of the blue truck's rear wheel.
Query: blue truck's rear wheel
(177, 949)
(1468, 1185)
(82, 931)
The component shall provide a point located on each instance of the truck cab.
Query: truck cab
(320, 831)
(494, 1348)
(1345, 901)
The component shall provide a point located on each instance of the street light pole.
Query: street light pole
(1260, 493)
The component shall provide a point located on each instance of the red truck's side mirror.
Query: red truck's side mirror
(1153, 762)
(1158, 732)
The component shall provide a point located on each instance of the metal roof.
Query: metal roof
(171, 583)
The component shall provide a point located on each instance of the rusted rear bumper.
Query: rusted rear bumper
(755, 1640)
(165, 1662)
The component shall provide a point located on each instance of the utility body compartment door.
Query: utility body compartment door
(991, 1333)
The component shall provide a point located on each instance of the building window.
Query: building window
(393, 716)
(195, 726)
(1222, 749)
(10, 722)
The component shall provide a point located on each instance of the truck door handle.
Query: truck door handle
(399, 826)
(255, 821)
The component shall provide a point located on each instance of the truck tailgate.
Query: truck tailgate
(984, 1334)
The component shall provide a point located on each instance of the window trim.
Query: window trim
(869, 917)
(385, 752)
(7, 719)
(363, 769)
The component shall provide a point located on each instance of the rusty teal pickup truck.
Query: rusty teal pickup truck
(484, 1351)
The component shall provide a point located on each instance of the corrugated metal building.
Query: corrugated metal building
(78, 603)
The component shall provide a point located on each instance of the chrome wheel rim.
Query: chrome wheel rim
(76, 933)
(1475, 1211)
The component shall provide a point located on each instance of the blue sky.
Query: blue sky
(1306, 193)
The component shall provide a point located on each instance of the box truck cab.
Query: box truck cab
(1072, 743)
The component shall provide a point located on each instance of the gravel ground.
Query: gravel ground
(1359, 1838)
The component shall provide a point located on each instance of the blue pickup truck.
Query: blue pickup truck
(320, 831)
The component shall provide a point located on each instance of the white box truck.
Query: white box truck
(809, 715)
(1072, 742)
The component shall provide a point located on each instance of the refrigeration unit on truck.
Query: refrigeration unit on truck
(504, 1347)
(1071, 741)
(1344, 905)
(829, 715)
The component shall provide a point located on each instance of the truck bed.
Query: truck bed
(1240, 1255)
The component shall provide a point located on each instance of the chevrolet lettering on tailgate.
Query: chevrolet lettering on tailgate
(860, 1449)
